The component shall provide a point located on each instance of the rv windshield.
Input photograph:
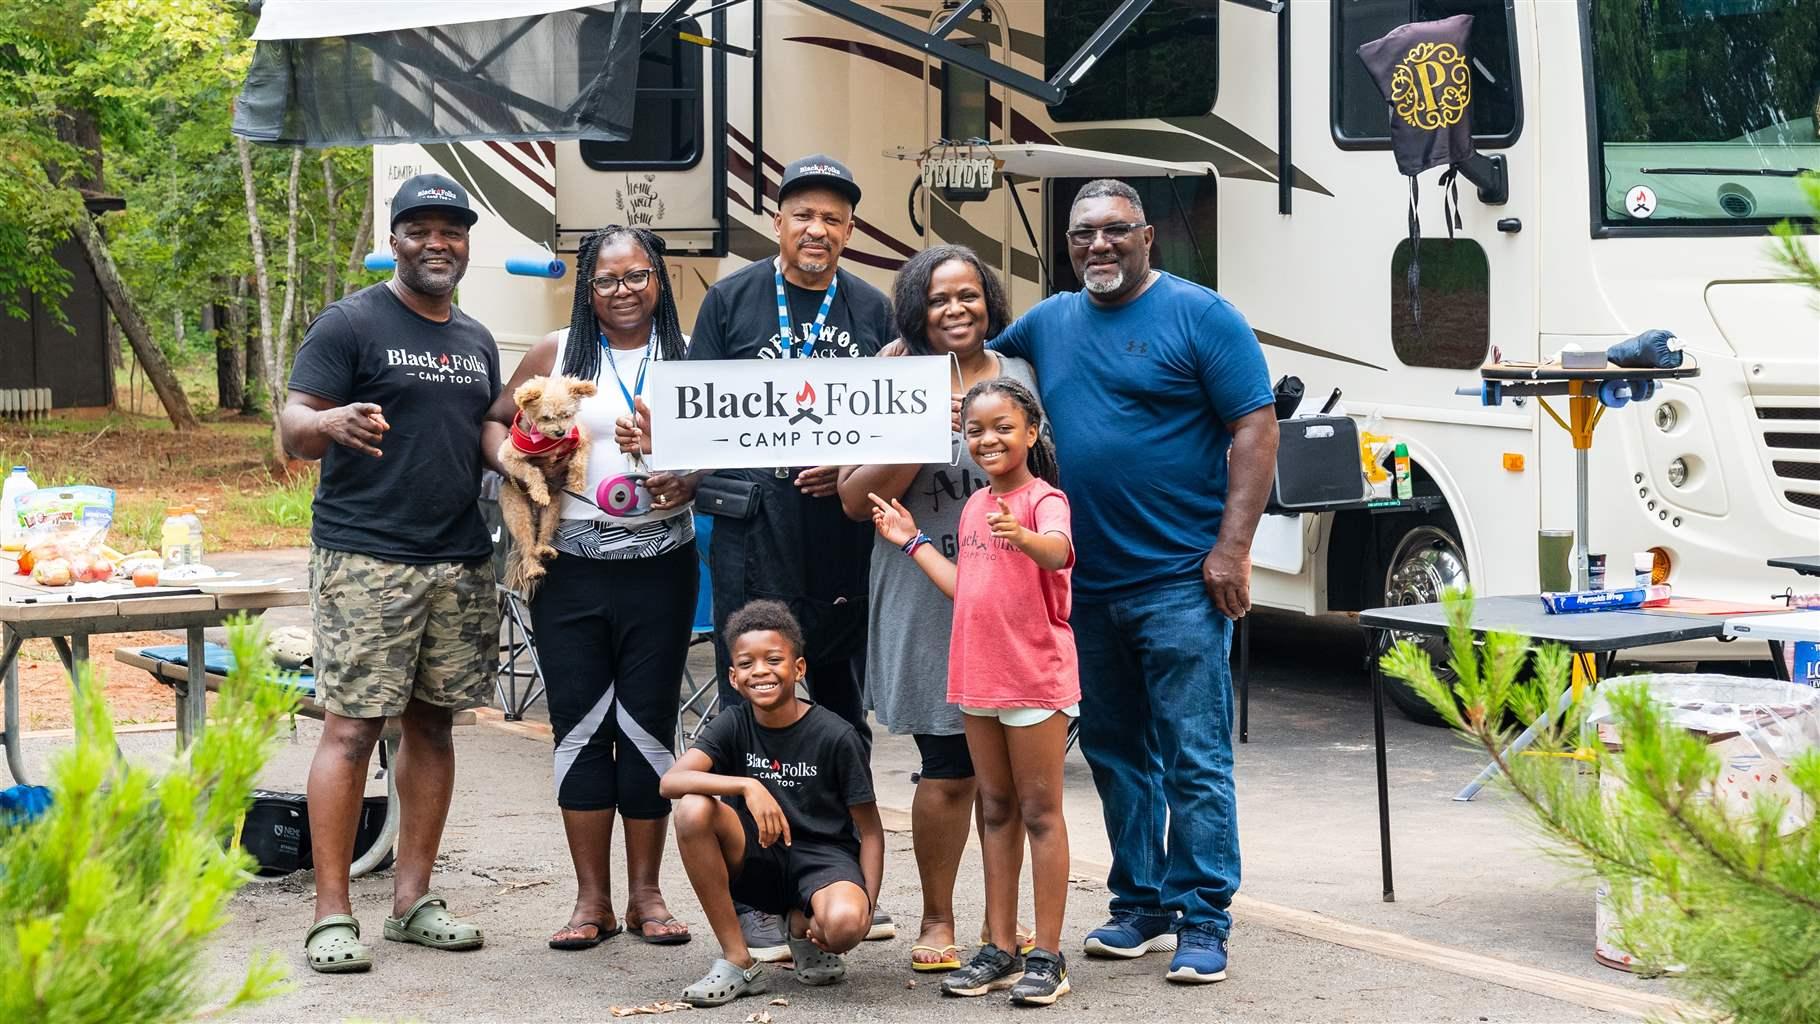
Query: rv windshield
(1706, 109)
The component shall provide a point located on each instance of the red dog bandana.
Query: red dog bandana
(531, 442)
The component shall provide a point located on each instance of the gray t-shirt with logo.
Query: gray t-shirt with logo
(910, 620)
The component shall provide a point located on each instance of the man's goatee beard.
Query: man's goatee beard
(1105, 286)
(428, 284)
(809, 266)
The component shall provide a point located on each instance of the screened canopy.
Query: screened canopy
(358, 72)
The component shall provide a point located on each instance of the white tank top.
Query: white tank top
(597, 416)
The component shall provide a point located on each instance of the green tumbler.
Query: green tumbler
(1554, 560)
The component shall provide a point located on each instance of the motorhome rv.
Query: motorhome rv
(1641, 149)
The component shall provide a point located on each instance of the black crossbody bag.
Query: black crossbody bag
(727, 497)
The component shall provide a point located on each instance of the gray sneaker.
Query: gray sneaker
(764, 934)
(882, 927)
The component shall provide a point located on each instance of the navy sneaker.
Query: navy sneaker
(1130, 934)
(1200, 958)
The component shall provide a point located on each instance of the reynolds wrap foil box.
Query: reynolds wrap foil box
(1594, 600)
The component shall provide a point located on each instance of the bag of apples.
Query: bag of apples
(66, 535)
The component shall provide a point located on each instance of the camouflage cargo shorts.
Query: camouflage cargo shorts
(388, 632)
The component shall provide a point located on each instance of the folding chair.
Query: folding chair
(518, 647)
(700, 699)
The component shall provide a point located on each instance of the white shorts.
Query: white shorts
(1019, 718)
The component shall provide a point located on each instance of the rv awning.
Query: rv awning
(357, 72)
(1030, 160)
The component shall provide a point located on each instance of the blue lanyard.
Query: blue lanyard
(643, 364)
(786, 332)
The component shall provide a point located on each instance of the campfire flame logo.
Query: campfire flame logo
(805, 404)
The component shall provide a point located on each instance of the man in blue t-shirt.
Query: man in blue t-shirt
(1153, 381)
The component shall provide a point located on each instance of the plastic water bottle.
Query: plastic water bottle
(18, 484)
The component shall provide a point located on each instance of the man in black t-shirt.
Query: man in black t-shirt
(795, 828)
(797, 546)
(389, 390)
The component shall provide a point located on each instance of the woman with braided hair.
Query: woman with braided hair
(614, 613)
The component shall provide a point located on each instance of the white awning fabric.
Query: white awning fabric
(1030, 160)
(321, 19)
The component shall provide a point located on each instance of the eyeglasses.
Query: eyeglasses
(607, 284)
(1115, 234)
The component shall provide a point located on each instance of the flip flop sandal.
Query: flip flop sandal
(667, 939)
(950, 958)
(333, 946)
(1026, 939)
(601, 934)
(724, 983)
(429, 923)
(815, 965)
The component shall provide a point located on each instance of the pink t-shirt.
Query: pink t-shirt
(1011, 646)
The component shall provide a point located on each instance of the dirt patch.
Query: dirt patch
(223, 469)
(133, 696)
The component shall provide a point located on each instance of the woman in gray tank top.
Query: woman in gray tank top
(946, 302)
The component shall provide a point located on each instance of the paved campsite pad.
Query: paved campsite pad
(505, 867)
(1472, 880)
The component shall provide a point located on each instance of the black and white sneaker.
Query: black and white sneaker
(1045, 979)
(764, 934)
(882, 927)
(990, 970)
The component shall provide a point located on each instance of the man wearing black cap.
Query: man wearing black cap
(389, 390)
(797, 545)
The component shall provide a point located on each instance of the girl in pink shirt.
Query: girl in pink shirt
(1012, 669)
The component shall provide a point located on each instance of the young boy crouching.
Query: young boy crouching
(795, 828)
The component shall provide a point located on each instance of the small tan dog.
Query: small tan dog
(547, 446)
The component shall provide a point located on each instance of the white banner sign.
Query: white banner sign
(757, 413)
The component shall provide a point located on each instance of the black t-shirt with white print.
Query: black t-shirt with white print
(738, 317)
(816, 769)
(433, 382)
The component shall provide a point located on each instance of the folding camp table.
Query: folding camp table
(1583, 633)
(29, 611)
(1800, 626)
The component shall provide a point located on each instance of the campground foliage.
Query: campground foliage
(133, 99)
(1717, 894)
(109, 898)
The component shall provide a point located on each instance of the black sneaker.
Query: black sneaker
(1045, 979)
(990, 969)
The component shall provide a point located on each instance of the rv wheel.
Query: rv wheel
(1419, 567)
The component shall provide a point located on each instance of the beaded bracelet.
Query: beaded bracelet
(915, 542)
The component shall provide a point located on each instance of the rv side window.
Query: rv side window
(1361, 119)
(1456, 305)
(1185, 230)
(666, 115)
(1165, 65)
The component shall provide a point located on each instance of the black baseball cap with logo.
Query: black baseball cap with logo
(822, 171)
(433, 192)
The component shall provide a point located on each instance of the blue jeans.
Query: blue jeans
(1156, 727)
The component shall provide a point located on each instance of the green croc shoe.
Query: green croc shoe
(333, 946)
(429, 923)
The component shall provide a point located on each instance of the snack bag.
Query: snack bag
(65, 532)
